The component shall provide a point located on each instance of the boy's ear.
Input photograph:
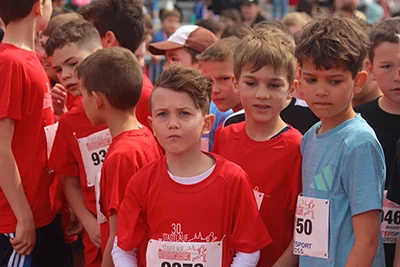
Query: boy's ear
(150, 120)
(369, 68)
(38, 8)
(292, 89)
(209, 120)
(235, 85)
(109, 40)
(99, 98)
(359, 81)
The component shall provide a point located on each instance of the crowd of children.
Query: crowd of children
(275, 145)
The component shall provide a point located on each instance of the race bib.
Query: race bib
(50, 132)
(184, 254)
(100, 216)
(93, 150)
(390, 226)
(205, 144)
(259, 197)
(311, 227)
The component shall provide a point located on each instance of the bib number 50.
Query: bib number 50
(167, 264)
(303, 226)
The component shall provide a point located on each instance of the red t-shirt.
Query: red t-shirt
(66, 158)
(73, 101)
(274, 168)
(24, 85)
(128, 152)
(221, 206)
(143, 108)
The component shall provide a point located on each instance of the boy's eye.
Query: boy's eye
(251, 84)
(225, 78)
(184, 113)
(73, 64)
(274, 85)
(311, 80)
(58, 70)
(386, 66)
(335, 82)
(162, 114)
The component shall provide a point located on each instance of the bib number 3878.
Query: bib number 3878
(311, 227)
(167, 264)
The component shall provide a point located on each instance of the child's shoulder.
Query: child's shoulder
(293, 136)
(15, 55)
(228, 169)
(233, 128)
(357, 133)
(369, 107)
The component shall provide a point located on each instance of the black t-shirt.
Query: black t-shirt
(387, 129)
(394, 186)
(297, 114)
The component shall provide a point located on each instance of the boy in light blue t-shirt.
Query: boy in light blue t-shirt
(338, 214)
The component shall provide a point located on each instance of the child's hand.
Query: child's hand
(93, 228)
(59, 97)
(75, 227)
(25, 237)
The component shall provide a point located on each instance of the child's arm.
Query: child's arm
(246, 259)
(107, 257)
(123, 258)
(73, 194)
(288, 259)
(10, 184)
(397, 254)
(366, 232)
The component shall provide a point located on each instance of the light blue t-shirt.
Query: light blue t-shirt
(220, 117)
(345, 165)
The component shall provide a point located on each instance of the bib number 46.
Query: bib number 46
(303, 226)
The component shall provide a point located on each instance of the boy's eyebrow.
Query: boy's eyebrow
(68, 59)
(272, 79)
(329, 76)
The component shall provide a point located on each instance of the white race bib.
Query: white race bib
(182, 254)
(205, 144)
(100, 216)
(50, 132)
(93, 150)
(311, 227)
(390, 226)
(259, 197)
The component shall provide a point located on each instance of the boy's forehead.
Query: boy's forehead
(167, 98)
(67, 52)
(309, 67)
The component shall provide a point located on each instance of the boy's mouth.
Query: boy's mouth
(262, 106)
(72, 87)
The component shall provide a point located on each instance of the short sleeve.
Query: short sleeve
(11, 88)
(62, 159)
(394, 185)
(363, 176)
(249, 231)
(132, 227)
(117, 171)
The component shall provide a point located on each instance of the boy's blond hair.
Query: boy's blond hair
(266, 47)
(296, 18)
(220, 51)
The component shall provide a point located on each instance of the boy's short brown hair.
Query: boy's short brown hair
(12, 10)
(79, 31)
(122, 17)
(58, 21)
(386, 31)
(232, 14)
(272, 24)
(238, 31)
(187, 80)
(116, 73)
(266, 47)
(333, 42)
(296, 19)
(170, 13)
(211, 24)
(220, 51)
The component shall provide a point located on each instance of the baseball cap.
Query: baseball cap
(191, 36)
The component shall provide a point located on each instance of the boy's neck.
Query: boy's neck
(237, 108)
(264, 131)
(368, 98)
(388, 105)
(189, 164)
(331, 123)
(122, 121)
(21, 34)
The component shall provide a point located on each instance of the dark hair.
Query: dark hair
(79, 31)
(210, 24)
(193, 54)
(238, 31)
(122, 17)
(58, 21)
(386, 31)
(116, 73)
(220, 51)
(307, 6)
(232, 14)
(187, 80)
(270, 24)
(12, 10)
(333, 42)
(60, 11)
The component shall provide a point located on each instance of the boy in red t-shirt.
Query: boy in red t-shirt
(25, 109)
(264, 145)
(111, 86)
(189, 208)
(78, 166)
